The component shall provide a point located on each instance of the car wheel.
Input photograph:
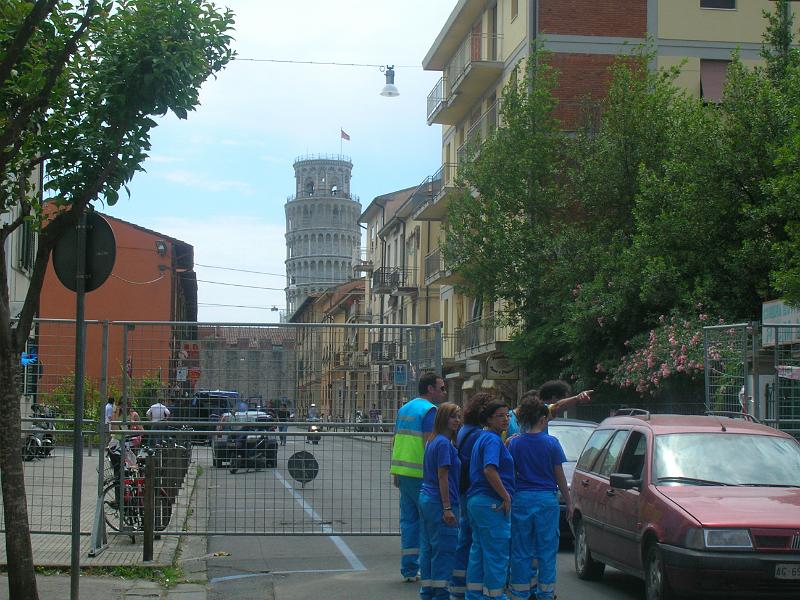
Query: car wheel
(585, 566)
(656, 585)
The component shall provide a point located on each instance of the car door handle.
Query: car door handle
(585, 482)
(610, 492)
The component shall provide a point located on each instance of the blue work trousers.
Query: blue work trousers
(437, 548)
(409, 524)
(458, 581)
(487, 569)
(534, 544)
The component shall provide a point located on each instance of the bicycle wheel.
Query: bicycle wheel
(163, 510)
(128, 519)
(111, 506)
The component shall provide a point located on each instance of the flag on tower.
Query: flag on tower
(344, 135)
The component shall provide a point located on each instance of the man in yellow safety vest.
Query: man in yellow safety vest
(413, 428)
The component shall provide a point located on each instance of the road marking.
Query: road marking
(355, 563)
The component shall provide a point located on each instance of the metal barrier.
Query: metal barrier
(48, 482)
(249, 480)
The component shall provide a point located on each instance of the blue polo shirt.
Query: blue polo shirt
(535, 457)
(489, 449)
(440, 452)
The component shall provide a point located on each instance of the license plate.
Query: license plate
(784, 571)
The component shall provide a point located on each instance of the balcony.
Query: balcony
(444, 188)
(475, 66)
(480, 336)
(384, 352)
(394, 281)
(480, 131)
(436, 272)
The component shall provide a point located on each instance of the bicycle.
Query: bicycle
(130, 519)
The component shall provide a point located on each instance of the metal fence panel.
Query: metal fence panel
(783, 395)
(254, 482)
(353, 377)
(726, 366)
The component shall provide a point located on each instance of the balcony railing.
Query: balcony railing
(426, 191)
(437, 187)
(479, 132)
(394, 280)
(434, 266)
(477, 47)
(436, 97)
(322, 193)
(478, 334)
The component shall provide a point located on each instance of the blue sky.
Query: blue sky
(219, 180)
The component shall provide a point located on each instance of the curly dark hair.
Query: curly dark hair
(530, 411)
(492, 407)
(554, 390)
(473, 411)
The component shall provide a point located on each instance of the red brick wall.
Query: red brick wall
(615, 18)
(581, 77)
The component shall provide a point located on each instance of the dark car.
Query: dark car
(245, 427)
(572, 434)
(705, 505)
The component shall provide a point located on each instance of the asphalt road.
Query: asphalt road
(352, 493)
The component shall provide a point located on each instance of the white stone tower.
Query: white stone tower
(322, 232)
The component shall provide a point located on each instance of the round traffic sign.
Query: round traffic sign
(303, 467)
(101, 252)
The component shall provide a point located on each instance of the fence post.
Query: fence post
(149, 507)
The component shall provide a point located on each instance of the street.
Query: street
(331, 567)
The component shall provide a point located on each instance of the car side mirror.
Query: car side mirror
(624, 481)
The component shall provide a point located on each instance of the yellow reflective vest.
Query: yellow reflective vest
(408, 450)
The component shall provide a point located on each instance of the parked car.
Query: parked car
(706, 505)
(244, 429)
(572, 434)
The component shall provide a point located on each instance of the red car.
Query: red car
(706, 505)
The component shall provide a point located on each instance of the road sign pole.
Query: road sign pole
(77, 428)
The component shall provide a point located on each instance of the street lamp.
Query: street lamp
(389, 90)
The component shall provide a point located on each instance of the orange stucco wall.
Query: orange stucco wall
(137, 290)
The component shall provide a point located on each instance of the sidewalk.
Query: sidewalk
(53, 550)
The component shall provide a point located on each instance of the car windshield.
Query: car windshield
(572, 438)
(726, 459)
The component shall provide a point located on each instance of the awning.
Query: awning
(789, 372)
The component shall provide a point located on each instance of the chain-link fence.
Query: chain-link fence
(726, 366)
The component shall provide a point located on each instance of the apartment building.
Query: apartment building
(477, 51)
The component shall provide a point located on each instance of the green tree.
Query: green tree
(80, 84)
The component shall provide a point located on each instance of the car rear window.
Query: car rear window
(593, 448)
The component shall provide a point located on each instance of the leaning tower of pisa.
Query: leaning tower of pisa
(322, 233)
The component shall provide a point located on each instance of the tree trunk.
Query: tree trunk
(21, 574)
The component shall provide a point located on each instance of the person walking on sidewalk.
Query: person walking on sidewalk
(439, 507)
(413, 429)
(538, 459)
(283, 417)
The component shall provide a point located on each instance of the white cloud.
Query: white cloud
(207, 183)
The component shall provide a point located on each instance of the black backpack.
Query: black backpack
(464, 481)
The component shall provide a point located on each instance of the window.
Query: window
(514, 9)
(27, 247)
(632, 462)
(712, 79)
(726, 4)
(608, 460)
(593, 447)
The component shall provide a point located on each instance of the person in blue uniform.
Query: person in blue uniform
(467, 435)
(555, 394)
(491, 488)
(538, 459)
(438, 505)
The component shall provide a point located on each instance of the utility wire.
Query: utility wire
(320, 62)
(254, 287)
(296, 277)
(238, 306)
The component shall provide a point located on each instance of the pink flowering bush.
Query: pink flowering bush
(674, 348)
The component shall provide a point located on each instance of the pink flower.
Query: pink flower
(703, 317)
